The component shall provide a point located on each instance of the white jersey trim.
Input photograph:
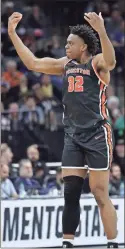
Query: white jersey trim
(67, 63)
(98, 76)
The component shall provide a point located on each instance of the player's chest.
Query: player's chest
(77, 81)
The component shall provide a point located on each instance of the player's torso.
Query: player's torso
(83, 97)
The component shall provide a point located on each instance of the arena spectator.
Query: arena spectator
(39, 168)
(119, 155)
(30, 42)
(25, 184)
(37, 92)
(6, 154)
(14, 117)
(116, 114)
(15, 131)
(33, 78)
(46, 103)
(57, 50)
(114, 108)
(105, 10)
(114, 22)
(10, 122)
(5, 124)
(13, 77)
(8, 10)
(90, 7)
(4, 87)
(118, 40)
(23, 85)
(36, 18)
(47, 93)
(120, 122)
(7, 188)
(99, 6)
(4, 93)
(46, 87)
(56, 187)
(45, 50)
(113, 103)
(33, 154)
(116, 185)
(32, 114)
(42, 176)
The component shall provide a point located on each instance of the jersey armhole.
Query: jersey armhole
(98, 76)
(67, 63)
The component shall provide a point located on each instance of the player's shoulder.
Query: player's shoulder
(97, 58)
(64, 61)
(99, 63)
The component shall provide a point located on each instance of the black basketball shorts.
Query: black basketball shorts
(89, 150)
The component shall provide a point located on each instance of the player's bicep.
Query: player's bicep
(100, 63)
(101, 69)
(49, 65)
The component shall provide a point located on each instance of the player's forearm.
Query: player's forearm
(107, 49)
(24, 53)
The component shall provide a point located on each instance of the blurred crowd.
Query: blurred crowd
(31, 177)
(31, 109)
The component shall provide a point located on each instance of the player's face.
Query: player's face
(75, 47)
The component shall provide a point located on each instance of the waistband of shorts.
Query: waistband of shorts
(89, 130)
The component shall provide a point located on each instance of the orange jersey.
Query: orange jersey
(12, 79)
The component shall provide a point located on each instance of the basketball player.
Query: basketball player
(88, 135)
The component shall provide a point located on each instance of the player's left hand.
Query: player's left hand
(96, 21)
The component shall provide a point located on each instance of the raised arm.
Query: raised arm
(45, 65)
(106, 60)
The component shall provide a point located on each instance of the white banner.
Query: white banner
(38, 223)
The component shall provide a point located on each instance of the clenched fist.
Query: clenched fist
(14, 19)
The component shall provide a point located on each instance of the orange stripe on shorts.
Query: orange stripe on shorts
(109, 141)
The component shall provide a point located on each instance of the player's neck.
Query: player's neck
(85, 59)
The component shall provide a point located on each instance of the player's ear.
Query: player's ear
(84, 47)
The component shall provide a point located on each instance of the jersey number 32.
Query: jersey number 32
(75, 84)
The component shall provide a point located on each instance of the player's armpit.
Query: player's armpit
(49, 65)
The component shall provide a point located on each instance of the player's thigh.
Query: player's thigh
(74, 172)
(98, 160)
(99, 182)
(100, 149)
(73, 159)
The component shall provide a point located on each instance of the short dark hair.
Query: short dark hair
(88, 35)
(30, 95)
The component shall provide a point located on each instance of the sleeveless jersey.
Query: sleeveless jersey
(84, 97)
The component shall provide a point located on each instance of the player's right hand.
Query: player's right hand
(14, 19)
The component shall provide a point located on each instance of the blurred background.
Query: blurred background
(31, 109)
